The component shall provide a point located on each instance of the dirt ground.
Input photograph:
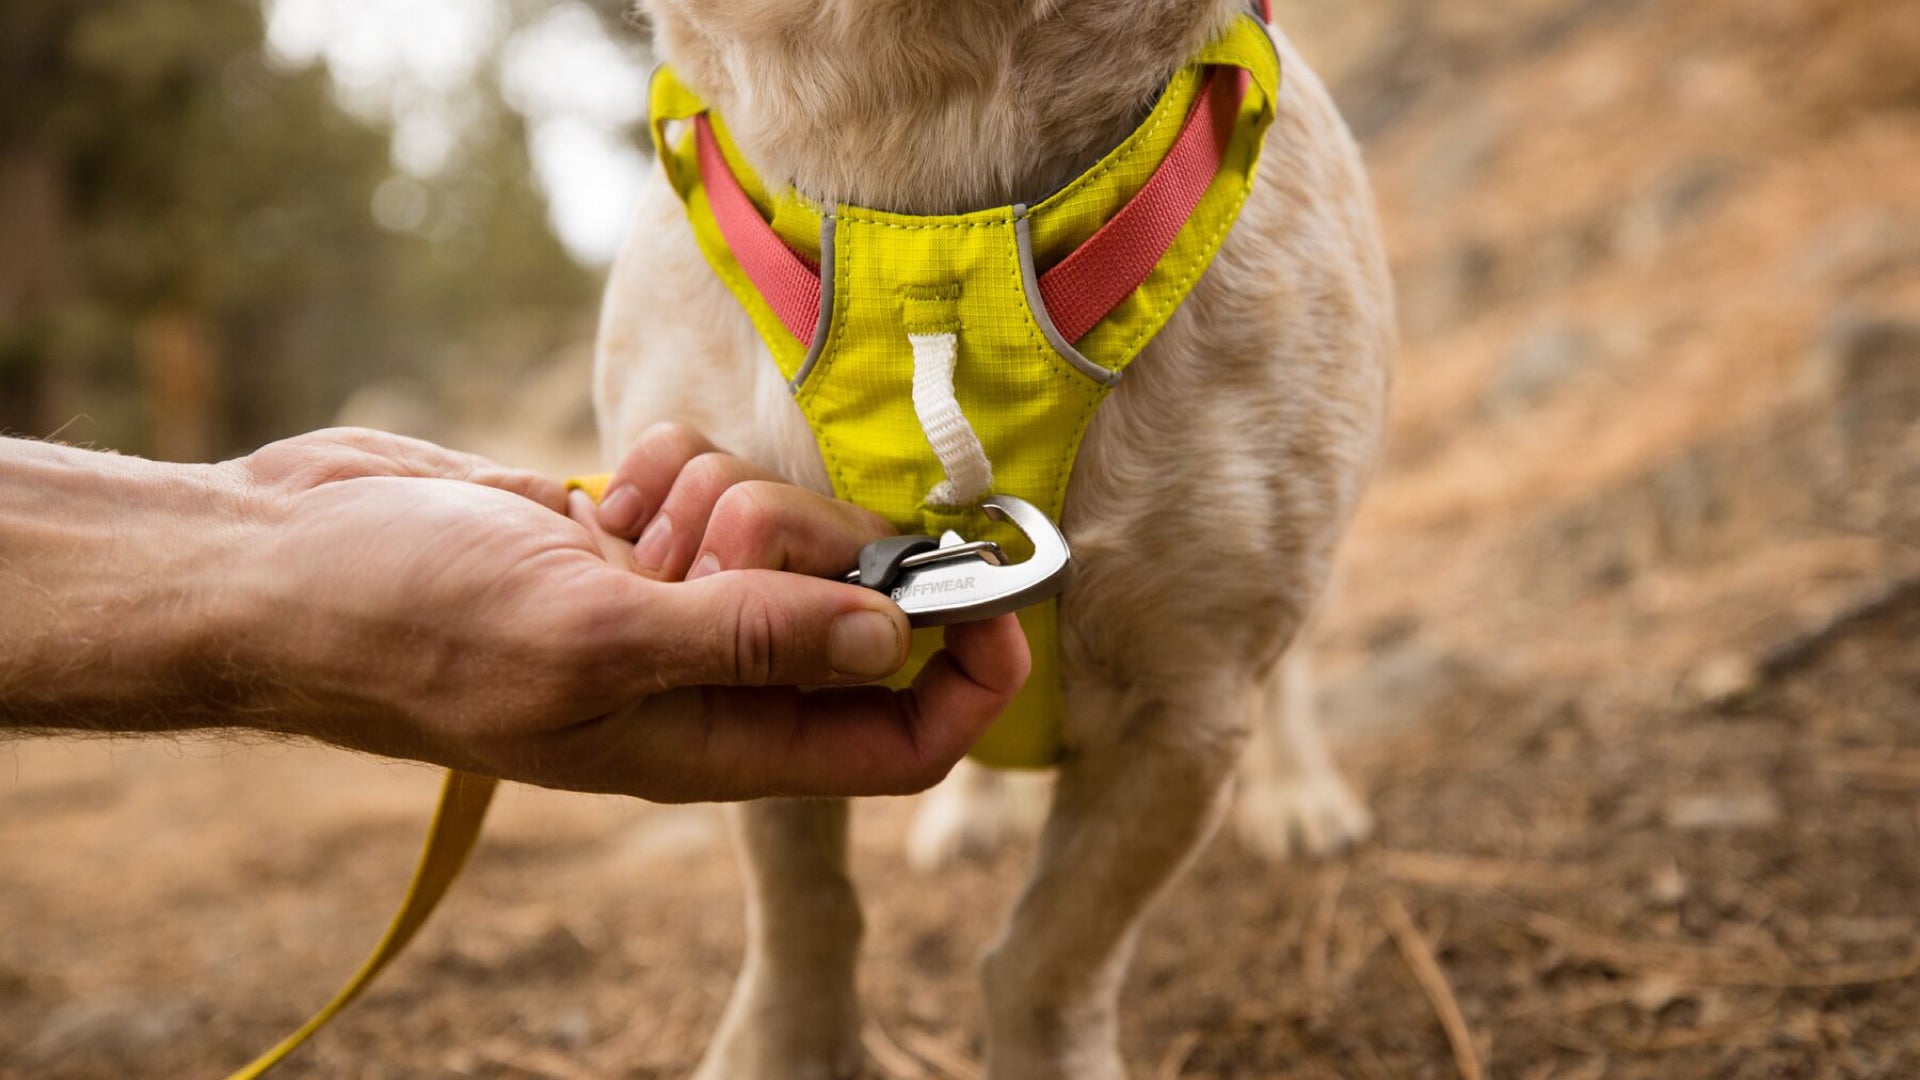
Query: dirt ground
(1625, 657)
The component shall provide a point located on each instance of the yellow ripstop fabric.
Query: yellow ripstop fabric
(1029, 404)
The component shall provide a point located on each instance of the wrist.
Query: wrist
(112, 563)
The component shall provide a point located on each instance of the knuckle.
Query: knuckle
(672, 438)
(870, 523)
(709, 474)
(741, 523)
(757, 633)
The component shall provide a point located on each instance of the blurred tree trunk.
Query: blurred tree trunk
(34, 278)
(180, 381)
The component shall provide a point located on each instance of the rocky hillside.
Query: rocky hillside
(1626, 655)
(1659, 271)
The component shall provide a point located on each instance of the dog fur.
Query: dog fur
(1203, 511)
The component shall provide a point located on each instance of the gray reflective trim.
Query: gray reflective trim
(1030, 280)
(828, 223)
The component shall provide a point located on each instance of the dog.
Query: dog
(1204, 508)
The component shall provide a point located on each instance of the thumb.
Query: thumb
(768, 628)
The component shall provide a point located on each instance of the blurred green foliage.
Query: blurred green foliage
(190, 263)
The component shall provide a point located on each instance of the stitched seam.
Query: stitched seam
(829, 353)
(1048, 353)
(988, 224)
(1128, 149)
(1064, 469)
(943, 300)
(1155, 322)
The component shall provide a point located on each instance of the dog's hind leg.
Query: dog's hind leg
(1292, 798)
(1136, 798)
(966, 815)
(794, 1014)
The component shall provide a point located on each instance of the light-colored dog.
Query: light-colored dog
(1203, 511)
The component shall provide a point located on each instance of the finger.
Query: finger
(759, 525)
(542, 489)
(349, 453)
(750, 628)
(908, 742)
(643, 478)
(743, 743)
(667, 545)
(612, 548)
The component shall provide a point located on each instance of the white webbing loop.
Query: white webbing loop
(969, 474)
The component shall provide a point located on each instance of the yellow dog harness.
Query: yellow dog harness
(934, 359)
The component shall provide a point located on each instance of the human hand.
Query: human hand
(415, 602)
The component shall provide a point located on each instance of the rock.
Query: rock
(1441, 293)
(1652, 994)
(1858, 250)
(1405, 686)
(1859, 353)
(1688, 495)
(1566, 253)
(1538, 364)
(1724, 810)
(557, 952)
(1681, 195)
(126, 1027)
(1721, 680)
(572, 1029)
(1467, 141)
(552, 950)
(1666, 886)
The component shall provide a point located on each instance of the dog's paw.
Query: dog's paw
(966, 816)
(771, 1036)
(1306, 815)
(728, 1064)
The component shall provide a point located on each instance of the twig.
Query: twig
(1801, 649)
(1174, 1062)
(1473, 873)
(533, 1059)
(1722, 1035)
(892, 1060)
(1884, 765)
(1706, 968)
(1426, 971)
(956, 1065)
(1313, 954)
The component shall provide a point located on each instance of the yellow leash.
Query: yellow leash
(464, 798)
(456, 825)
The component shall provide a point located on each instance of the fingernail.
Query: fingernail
(864, 644)
(703, 566)
(651, 552)
(620, 510)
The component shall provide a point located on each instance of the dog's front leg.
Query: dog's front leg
(1142, 790)
(794, 1014)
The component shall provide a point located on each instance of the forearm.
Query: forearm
(106, 567)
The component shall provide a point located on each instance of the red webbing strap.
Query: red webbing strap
(1078, 292)
(789, 283)
(1091, 281)
(1265, 8)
